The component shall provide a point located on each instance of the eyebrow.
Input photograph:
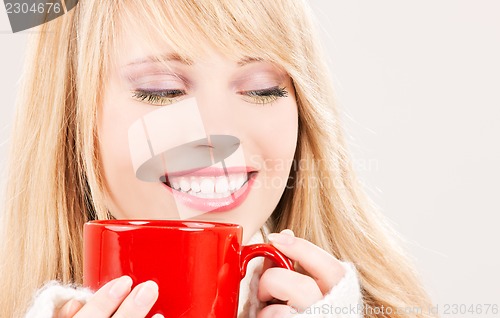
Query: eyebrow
(167, 57)
(247, 60)
(177, 58)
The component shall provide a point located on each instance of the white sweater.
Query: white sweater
(343, 301)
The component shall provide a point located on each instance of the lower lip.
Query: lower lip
(215, 205)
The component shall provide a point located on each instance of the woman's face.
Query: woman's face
(252, 100)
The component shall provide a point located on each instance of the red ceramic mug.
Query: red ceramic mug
(198, 266)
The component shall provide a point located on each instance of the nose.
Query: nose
(220, 121)
(198, 144)
(222, 146)
(217, 110)
(219, 147)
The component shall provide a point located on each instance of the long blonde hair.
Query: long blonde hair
(55, 181)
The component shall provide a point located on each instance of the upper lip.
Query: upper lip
(211, 171)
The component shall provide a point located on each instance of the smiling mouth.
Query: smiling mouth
(209, 187)
(210, 183)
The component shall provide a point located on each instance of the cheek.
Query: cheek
(273, 132)
(276, 135)
(115, 117)
(111, 138)
(115, 157)
(114, 122)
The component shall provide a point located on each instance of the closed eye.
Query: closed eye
(264, 96)
(167, 97)
(158, 97)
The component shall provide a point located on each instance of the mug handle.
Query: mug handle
(267, 250)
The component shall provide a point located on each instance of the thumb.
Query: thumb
(69, 309)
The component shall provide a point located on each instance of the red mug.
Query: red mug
(198, 266)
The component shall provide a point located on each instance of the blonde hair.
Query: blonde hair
(55, 180)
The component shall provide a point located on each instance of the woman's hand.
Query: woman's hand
(114, 300)
(298, 290)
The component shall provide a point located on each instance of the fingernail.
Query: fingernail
(146, 294)
(68, 308)
(288, 232)
(121, 287)
(158, 316)
(280, 238)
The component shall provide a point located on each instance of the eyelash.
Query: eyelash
(167, 97)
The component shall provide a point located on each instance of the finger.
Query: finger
(323, 267)
(139, 302)
(299, 291)
(105, 301)
(69, 309)
(268, 263)
(277, 311)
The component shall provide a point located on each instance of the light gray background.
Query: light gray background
(418, 82)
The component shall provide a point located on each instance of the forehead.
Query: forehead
(138, 47)
(235, 29)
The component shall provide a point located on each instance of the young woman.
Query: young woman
(257, 73)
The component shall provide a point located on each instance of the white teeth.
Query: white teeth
(232, 185)
(185, 185)
(207, 185)
(175, 185)
(195, 186)
(221, 185)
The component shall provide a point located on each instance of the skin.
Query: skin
(268, 135)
